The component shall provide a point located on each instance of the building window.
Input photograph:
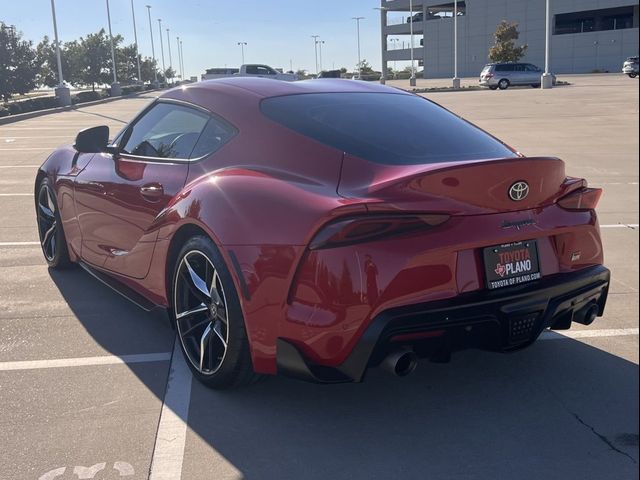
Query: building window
(594, 20)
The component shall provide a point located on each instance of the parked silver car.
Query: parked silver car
(504, 75)
(630, 67)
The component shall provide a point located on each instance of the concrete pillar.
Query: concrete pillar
(63, 95)
(383, 44)
(116, 90)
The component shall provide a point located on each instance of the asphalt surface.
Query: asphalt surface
(85, 390)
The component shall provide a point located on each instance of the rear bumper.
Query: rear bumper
(507, 319)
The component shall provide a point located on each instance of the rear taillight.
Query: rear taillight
(373, 227)
(488, 75)
(583, 199)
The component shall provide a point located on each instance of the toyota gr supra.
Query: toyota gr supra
(318, 228)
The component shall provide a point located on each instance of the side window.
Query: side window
(214, 136)
(518, 67)
(252, 70)
(501, 68)
(166, 131)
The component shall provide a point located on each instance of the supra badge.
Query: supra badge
(519, 191)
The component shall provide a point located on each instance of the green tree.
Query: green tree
(147, 68)
(18, 66)
(365, 67)
(169, 73)
(504, 49)
(95, 49)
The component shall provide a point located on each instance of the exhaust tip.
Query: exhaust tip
(587, 315)
(401, 363)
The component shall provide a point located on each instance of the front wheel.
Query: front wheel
(209, 320)
(633, 75)
(52, 239)
(503, 84)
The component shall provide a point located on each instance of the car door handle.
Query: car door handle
(152, 191)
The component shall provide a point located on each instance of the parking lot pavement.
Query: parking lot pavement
(89, 388)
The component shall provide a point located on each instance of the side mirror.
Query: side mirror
(92, 140)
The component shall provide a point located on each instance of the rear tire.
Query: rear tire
(535, 85)
(493, 88)
(50, 232)
(209, 322)
(503, 84)
(633, 75)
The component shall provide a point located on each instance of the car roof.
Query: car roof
(264, 87)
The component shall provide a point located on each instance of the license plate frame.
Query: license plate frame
(511, 264)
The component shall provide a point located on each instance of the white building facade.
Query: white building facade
(587, 35)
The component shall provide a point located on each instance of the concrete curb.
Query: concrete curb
(49, 111)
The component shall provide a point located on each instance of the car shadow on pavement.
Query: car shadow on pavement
(560, 409)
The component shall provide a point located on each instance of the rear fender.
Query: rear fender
(260, 220)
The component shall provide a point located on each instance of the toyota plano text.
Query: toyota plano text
(318, 228)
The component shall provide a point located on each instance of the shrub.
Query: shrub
(90, 96)
(14, 108)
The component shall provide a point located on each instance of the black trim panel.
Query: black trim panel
(546, 300)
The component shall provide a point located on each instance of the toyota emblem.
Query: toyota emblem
(519, 191)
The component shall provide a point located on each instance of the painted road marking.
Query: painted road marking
(85, 361)
(19, 166)
(168, 453)
(16, 194)
(17, 244)
(632, 226)
(577, 334)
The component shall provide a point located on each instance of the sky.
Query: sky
(277, 32)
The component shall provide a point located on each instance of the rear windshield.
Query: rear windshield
(386, 128)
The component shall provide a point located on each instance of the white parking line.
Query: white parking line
(85, 361)
(621, 225)
(577, 334)
(16, 194)
(17, 244)
(19, 166)
(168, 453)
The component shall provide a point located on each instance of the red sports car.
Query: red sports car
(318, 228)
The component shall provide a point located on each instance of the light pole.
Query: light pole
(456, 80)
(153, 50)
(170, 62)
(395, 41)
(62, 93)
(179, 58)
(547, 80)
(412, 79)
(135, 39)
(383, 43)
(242, 44)
(315, 46)
(357, 19)
(164, 69)
(320, 43)
(115, 86)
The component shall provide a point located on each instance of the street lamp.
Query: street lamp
(395, 41)
(357, 19)
(164, 69)
(179, 59)
(62, 93)
(135, 38)
(383, 44)
(170, 62)
(412, 79)
(242, 45)
(153, 50)
(456, 80)
(547, 80)
(320, 42)
(315, 46)
(115, 86)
